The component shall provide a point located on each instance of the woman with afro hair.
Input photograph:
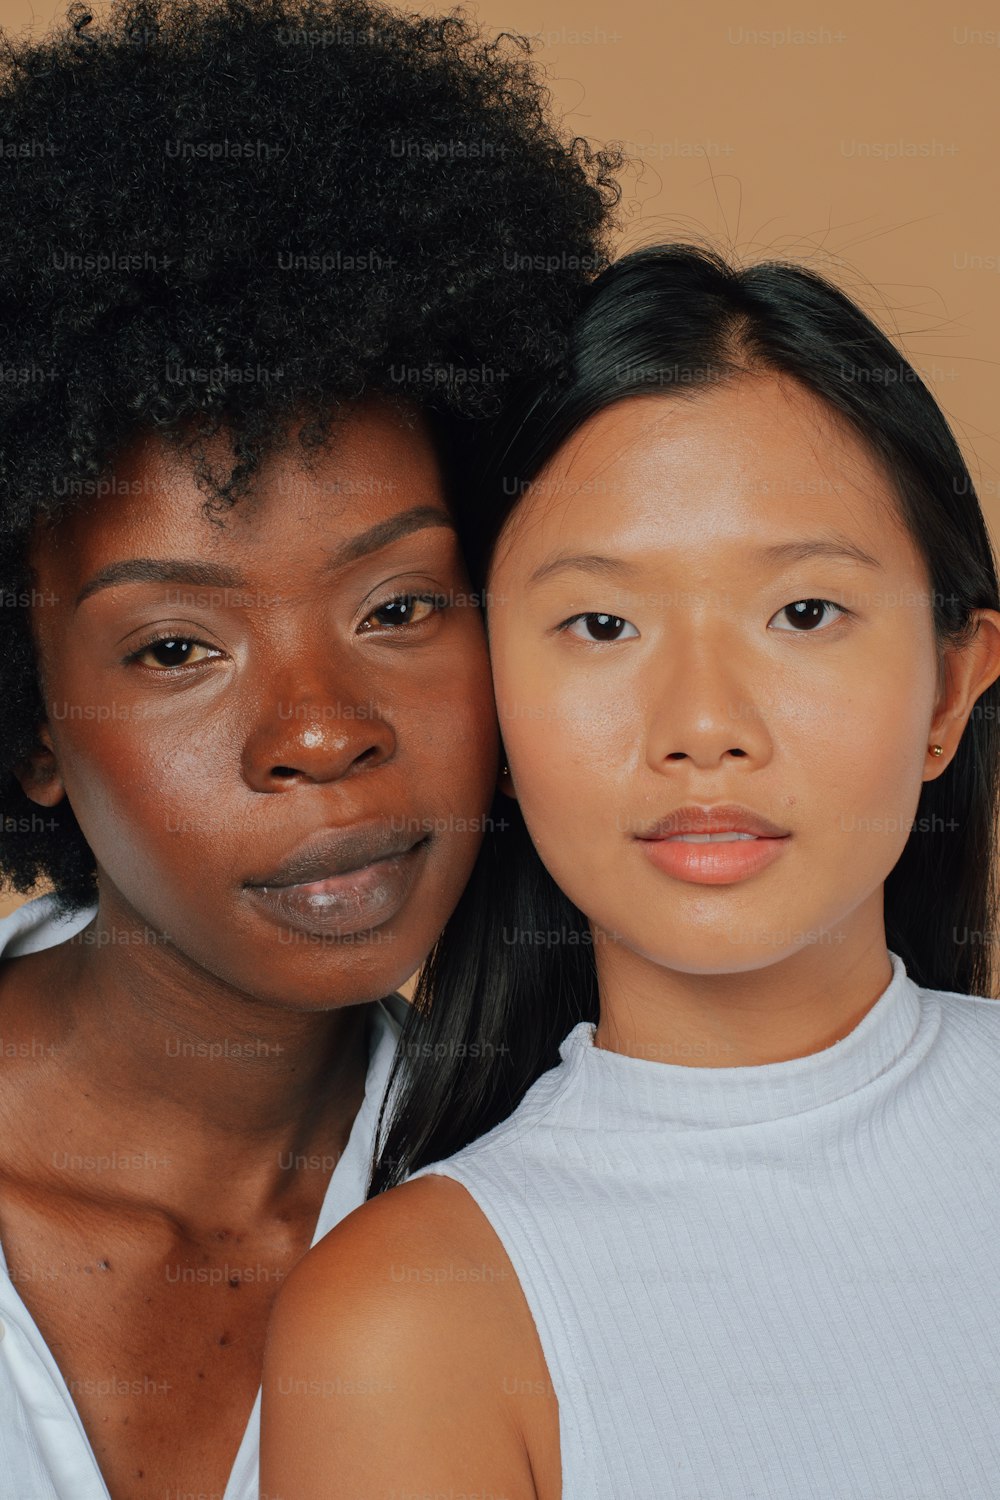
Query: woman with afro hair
(266, 269)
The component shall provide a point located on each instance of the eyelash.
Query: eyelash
(594, 614)
(842, 613)
(162, 638)
(439, 601)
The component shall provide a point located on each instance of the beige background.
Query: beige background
(861, 138)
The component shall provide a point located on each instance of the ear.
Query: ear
(968, 669)
(39, 774)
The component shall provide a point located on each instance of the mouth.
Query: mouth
(728, 837)
(342, 881)
(713, 845)
(725, 820)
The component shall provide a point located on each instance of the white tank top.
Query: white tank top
(774, 1282)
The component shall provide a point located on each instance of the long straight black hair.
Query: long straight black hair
(514, 970)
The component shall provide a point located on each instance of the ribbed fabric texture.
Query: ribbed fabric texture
(766, 1283)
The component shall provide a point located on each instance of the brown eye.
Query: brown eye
(807, 614)
(600, 627)
(406, 609)
(170, 651)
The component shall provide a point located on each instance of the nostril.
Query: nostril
(282, 770)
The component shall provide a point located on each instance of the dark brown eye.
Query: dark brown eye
(601, 627)
(806, 614)
(407, 609)
(170, 651)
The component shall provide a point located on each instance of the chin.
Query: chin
(710, 951)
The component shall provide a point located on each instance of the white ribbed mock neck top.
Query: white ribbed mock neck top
(773, 1282)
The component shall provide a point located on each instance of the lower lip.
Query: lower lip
(713, 864)
(353, 902)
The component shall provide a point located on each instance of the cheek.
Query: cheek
(450, 724)
(873, 784)
(869, 733)
(465, 690)
(144, 796)
(572, 732)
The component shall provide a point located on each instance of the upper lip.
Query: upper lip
(334, 851)
(727, 817)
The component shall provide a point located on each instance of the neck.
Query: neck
(216, 1088)
(801, 1004)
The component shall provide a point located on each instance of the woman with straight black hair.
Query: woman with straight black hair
(704, 1080)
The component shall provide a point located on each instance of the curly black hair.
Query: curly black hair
(238, 213)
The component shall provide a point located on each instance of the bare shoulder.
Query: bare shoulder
(429, 1233)
(403, 1354)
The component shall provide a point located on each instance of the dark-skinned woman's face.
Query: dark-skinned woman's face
(276, 733)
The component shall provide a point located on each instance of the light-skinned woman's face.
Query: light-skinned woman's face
(277, 734)
(708, 605)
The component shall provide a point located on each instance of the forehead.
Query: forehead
(378, 461)
(752, 450)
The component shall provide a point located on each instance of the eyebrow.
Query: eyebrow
(841, 548)
(834, 548)
(584, 562)
(217, 575)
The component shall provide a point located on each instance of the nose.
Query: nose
(312, 725)
(707, 705)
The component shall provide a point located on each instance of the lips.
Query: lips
(343, 882)
(727, 818)
(719, 845)
(336, 851)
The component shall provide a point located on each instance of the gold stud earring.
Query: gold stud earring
(937, 749)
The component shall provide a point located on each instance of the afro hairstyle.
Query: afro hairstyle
(226, 215)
